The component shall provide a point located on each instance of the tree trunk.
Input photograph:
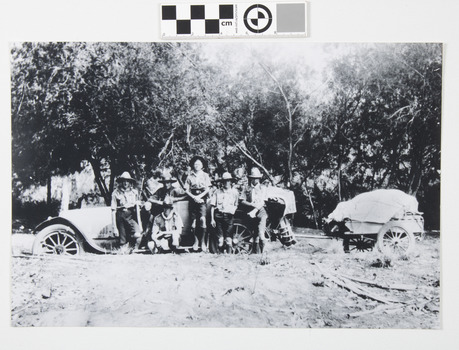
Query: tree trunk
(48, 191)
(114, 167)
(415, 178)
(65, 200)
(100, 180)
(311, 203)
(290, 148)
(339, 164)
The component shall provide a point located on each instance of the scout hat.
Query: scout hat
(167, 178)
(195, 158)
(226, 177)
(126, 176)
(255, 173)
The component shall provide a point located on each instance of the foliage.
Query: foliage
(368, 119)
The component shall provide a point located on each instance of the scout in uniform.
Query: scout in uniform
(224, 203)
(167, 190)
(253, 197)
(125, 201)
(167, 228)
(197, 187)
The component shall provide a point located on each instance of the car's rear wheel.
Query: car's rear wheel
(394, 239)
(57, 239)
(242, 239)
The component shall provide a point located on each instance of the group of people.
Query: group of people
(164, 222)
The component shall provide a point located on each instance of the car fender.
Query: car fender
(63, 221)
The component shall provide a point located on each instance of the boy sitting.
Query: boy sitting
(166, 228)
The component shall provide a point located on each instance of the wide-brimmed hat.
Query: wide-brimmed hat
(168, 202)
(255, 173)
(195, 158)
(125, 176)
(167, 178)
(226, 177)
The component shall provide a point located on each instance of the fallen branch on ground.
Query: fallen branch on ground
(380, 308)
(351, 286)
(402, 287)
(301, 235)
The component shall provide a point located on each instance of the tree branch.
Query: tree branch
(246, 153)
(164, 149)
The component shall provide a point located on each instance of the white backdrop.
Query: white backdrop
(329, 21)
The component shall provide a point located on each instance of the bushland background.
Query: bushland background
(328, 121)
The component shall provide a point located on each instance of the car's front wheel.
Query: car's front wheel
(57, 239)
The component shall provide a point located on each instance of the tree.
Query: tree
(114, 104)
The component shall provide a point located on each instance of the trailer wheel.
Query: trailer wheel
(57, 239)
(242, 239)
(361, 243)
(395, 239)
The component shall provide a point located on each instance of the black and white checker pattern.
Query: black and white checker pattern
(184, 19)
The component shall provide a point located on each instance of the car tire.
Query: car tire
(57, 239)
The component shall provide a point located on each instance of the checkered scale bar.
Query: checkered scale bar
(196, 20)
(212, 20)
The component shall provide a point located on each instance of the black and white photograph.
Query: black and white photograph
(275, 175)
(226, 185)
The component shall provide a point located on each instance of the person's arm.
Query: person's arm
(201, 195)
(138, 204)
(177, 195)
(207, 187)
(213, 205)
(156, 197)
(245, 202)
(113, 207)
(235, 202)
(187, 189)
(154, 230)
(212, 216)
(155, 201)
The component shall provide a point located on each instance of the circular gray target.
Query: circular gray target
(258, 18)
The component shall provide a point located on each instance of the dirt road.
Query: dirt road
(308, 285)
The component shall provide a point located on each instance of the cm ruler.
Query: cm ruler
(226, 20)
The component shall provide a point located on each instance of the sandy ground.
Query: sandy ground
(301, 286)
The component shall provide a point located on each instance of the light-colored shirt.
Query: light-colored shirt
(198, 181)
(226, 201)
(124, 198)
(255, 195)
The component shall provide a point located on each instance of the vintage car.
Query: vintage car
(388, 219)
(90, 229)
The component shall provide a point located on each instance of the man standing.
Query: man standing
(224, 203)
(197, 187)
(166, 191)
(254, 196)
(125, 200)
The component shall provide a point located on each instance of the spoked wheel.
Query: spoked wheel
(394, 239)
(242, 239)
(361, 244)
(58, 240)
